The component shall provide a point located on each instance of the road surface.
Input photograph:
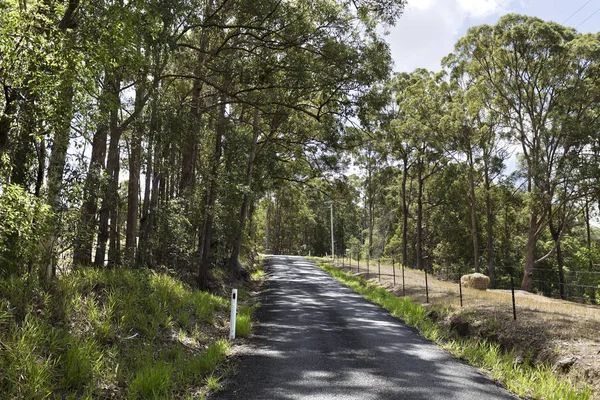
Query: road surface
(317, 339)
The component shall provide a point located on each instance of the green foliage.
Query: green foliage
(68, 340)
(537, 382)
(23, 219)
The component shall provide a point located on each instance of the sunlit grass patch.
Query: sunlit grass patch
(258, 274)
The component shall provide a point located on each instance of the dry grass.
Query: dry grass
(546, 329)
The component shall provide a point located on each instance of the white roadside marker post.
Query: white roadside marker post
(233, 313)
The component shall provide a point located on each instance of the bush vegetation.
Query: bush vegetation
(109, 332)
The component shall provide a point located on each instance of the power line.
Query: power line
(580, 8)
(585, 20)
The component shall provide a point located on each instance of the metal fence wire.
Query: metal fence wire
(577, 286)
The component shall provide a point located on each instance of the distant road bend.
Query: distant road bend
(318, 339)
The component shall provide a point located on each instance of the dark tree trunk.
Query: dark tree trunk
(82, 254)
(133, 189)
(41, 154)
(190, 151)
(150, 192)
(109, 209)
(527, 283)
(405, 214)
(234, 263)
(474, 229)
(588, 233)
(420, 183)
(211, 197)
(490, 229)
(7, 116)
(555, 232)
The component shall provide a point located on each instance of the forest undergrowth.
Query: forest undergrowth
(115, 333)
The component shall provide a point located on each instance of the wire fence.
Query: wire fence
(577, 286)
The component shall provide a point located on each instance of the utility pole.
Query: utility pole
(331, 208)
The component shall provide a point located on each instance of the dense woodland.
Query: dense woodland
(193, 134)
(144, 133)
(490, 165)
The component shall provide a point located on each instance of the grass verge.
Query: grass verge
(132, 334)
(520, 377)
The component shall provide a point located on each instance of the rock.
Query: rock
(565, 363)
(476, 281)
(433, 315)
(461, 327)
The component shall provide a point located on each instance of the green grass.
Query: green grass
(107, 328)
(258, 274)
(243, 321)
(524, 379)
(151, 382)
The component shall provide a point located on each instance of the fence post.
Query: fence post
(368, 259)
(358, 261)
(394, 271)
(426, 288)
(460, 287)
(512, 288)
(379, 269)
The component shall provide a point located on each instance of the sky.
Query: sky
(429, 29)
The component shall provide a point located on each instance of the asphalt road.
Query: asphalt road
(317, 339)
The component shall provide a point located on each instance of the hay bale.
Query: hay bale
(476, 281)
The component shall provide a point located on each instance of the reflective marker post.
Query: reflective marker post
(233, 313)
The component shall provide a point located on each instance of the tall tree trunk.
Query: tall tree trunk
(420, 183)
(56, 167)
(561, 271)
(490, 230)
(370, 205)
(555, 232)
(108, 211)
(234, 263)
(82, 254)
(150, 192)
(474, 229)
(190, 151)
(268, 227)
(41, 154)
(133, 189)
(405, 215)
(527, 283)
(211, 197)
(7, 117)
(588, 233)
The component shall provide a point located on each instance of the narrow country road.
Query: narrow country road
(317, 339)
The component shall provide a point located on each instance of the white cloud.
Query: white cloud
(429, 29)
(483, 8)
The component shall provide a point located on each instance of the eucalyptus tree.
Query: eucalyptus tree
(421, 101)
(309, 58)
(477, 138)
(533, 73)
